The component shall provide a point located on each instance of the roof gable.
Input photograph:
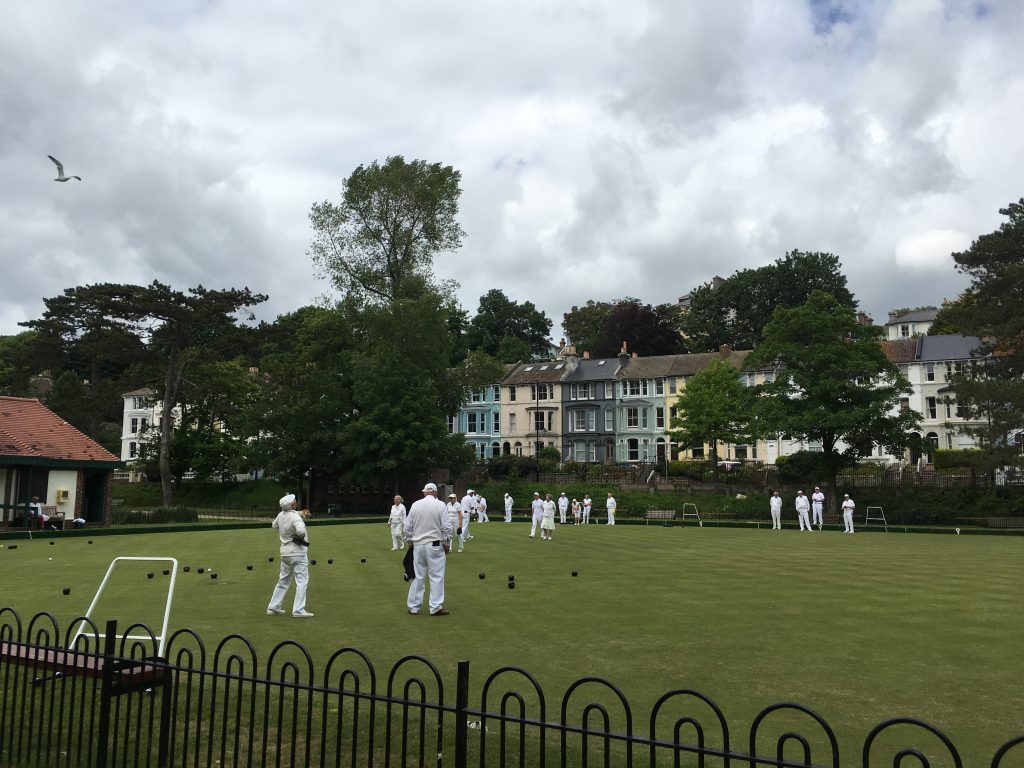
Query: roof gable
(29, 429)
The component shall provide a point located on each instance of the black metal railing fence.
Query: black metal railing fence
(100, 701)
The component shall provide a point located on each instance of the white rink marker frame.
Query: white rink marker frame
(162, 637)
(879, 516)
(690, 510)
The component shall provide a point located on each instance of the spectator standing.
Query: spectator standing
(775, 505)
(563, 507)
(848, 507)
(395, 521)
(508, 508)
(610, 506)
(817, 506)
(587, 505)
(803, 507)
(428, 531)
(291, 530)
(537, 509)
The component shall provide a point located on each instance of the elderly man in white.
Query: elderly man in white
(428, 529)
(848, 507)
(481, 509)
(817, 507)
(610, 506)
(291, 530)
(508, 508)
(803, 507)
(563, 507)
(775, 506)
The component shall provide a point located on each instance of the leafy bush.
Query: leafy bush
(799, 467)
(947, 459)
(511, 467)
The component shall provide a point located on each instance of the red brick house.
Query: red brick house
(42, 455)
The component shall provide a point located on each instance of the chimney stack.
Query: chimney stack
(724, 351)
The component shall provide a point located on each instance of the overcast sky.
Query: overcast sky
(607, 148)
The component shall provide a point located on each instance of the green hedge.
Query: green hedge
(160, 516)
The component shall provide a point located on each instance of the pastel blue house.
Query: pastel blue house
(479, 420)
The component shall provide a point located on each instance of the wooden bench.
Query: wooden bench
(128, 674)
(659, 514)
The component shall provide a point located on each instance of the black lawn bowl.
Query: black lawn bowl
(312, 562)
(167, 571)
(511, 577)
(186, 569)
(248, 567)
(52, 543)
(90, 541)
(66, 590)
(362, 560)
(482, 575)
(13, 546)
(149, 575)
(200, 570)
(511, 585)
(270, 559)
(330, 562)
(213, 575)
(575, 573)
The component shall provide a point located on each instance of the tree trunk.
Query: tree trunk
(172, 377)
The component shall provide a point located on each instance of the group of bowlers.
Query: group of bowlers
(430, 526)
(805, 508)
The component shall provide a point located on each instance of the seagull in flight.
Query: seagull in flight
(60, 171)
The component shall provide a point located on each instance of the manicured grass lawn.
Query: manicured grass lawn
(858, 628)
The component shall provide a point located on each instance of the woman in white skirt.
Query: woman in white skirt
(547, 522)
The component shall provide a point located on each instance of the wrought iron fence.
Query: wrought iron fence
(106, 701)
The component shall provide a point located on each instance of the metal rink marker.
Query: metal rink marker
(687, 507)
(879, 516)
(160, 638)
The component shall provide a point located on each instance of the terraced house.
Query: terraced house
(588, 402)
(531, 407)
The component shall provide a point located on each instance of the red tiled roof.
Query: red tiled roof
(900, 350)
(30, 429)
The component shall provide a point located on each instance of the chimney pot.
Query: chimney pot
(586, 355)
(724, 351)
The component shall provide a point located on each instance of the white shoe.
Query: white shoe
(275, 611)
(302, 615)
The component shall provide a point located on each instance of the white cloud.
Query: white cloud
(607, 148)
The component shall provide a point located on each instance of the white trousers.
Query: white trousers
(561, 515)
(465, 526)
(481, 516)
(611, 517)
(776, 519)
(508, 515)
(816, 511)
(848, 522)
(428, 562)
(586, 515)
(538, 517)
(292, 567)
(804, 519)
(397, 535)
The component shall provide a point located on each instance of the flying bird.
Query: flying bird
(60, 171)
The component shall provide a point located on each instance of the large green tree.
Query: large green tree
(500, 320)
(714, 407)
(601, 327)
(992, 391)
(177, 329)
(736, 311)
(832, 384)
(379, 241)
